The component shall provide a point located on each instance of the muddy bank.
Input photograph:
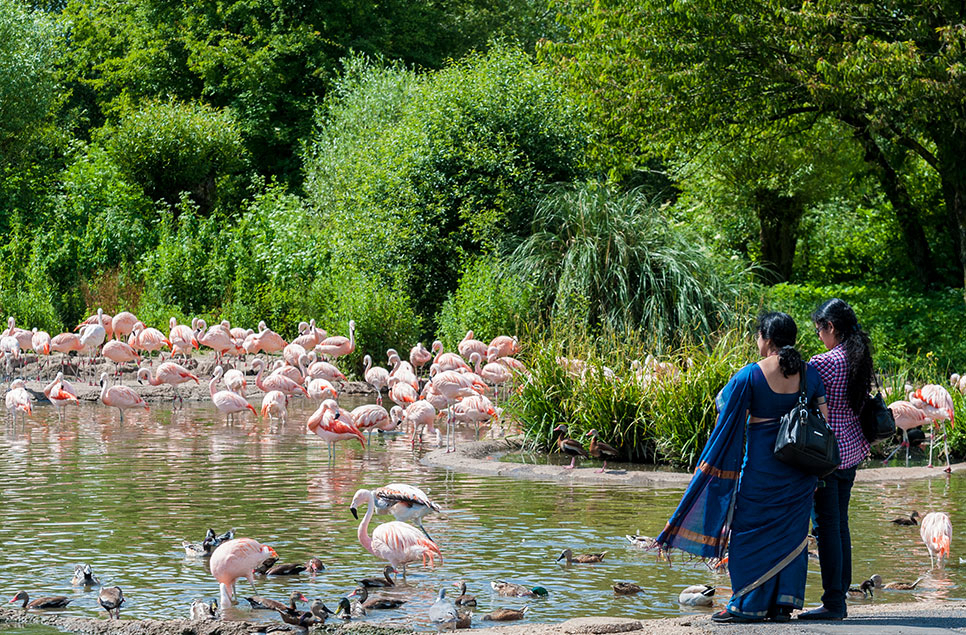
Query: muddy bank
(483, 457)
(83, 377)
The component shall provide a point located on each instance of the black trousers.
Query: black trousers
(831, 521)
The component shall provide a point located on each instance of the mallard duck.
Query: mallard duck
(512, 590)
(380, 582)
(369, 604)
(346, 610)
(641, 541)
(582, 558)
(601, 450)
(213, 541)
(194, 550)
(46, 602)
(84, 576)
(286, 569)
(507, 615)
(894, 586)
(569, 446)
(267, 604)
(201, 610)
(267, 564)
(863, 591)
(697, 595)
(111, 598)
(626, 588)
(463, 599)
(911, 519)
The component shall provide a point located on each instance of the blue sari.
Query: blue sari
(759, 503)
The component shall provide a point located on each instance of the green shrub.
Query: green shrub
(489, 300)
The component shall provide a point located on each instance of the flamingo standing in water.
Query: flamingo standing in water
(227, 401)
(168, 373)
(18, 400)
(120, 397)
(907, 417)
(395, 542)
(936, 402)
(376, 376)
(332, 423)
(235, 380)
(401, 393)
(237, 558)
(372, 417)
(336, 346)
(60, 393)
(936, 532)
(475, 409)
(420, 414)
(323, 370)
(321, 389)
(405, 503)
(274, 404)
(276, 381)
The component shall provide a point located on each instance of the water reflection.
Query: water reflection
(123, 496)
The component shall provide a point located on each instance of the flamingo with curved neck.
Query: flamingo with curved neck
(395, 542)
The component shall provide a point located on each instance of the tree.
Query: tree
(683, 74)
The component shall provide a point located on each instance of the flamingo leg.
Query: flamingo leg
(946, 449)
(932, 440)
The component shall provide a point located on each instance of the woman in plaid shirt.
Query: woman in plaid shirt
(846, 371)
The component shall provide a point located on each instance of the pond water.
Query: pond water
(123, 497)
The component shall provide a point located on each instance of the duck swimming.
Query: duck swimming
(911, 519)
(286, 569)
(697, 595)
(512, 590)
(379, 582)
(583, 558)
(893, 586)
(84, 576)
(367, 603)
(259, 602)
(463, 599)
(626, 588)
(46, 602)
(507, 615)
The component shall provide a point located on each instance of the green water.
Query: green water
(123, 497)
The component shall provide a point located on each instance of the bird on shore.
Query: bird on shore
(568, 446)
(936, 531)
(336, 346)
(581, 558)
(894, 586)
(396, 542)
(513, 590)
(937, 404)
(863, 591)
(911, 519)
(201, 610)
(111, 598)
(600, 450)
(235, 559)
(442, 613)
(84, 576)
(507, 615)
(369, 603)
(385, 581)
(46, 602)
(697, 595)
(626, 588)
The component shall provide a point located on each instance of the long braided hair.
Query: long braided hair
(858, 348)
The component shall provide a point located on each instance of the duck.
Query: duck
(443, 613)
(600, 450)
(911, 519)
(213, 541)
(194, 549)
(582, 558)
(464, 619)
(894, 586)
(512, 590)
(641, 541)
(380, 582)
(320, 610)
(314, 565)
(626, 588)
(369, 604)
(568, 446)
(863, 591)
(463, 599)
(507, 615)
(46, 602)
(346, 610)
(263, 568)
(259, 602)
(84, 576)
(302, 619)
(201, 610)
(697, 595)
(286, 569)
(111, 598)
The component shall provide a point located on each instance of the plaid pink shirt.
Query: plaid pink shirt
(832, 367)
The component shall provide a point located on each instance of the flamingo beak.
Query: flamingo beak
(355, 514)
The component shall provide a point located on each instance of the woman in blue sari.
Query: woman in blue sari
(742, 493)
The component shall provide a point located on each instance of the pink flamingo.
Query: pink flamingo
(168, 373)
(395, 542)
(468, 346)
(936, 531)
(235, 380)
(936, 402)
(376, 376)
(93, 336)
(332, 423)
(372, 417)
(182, 338)
(419, 357)
(402, 370)
(40, 342)
(296, 374)
(60, 393)
(321, 389)
(293, 353)
(907, 417)
(227, 401)
(275, 382)
(336, 345)
(120, 397)
(323, 370)
(308, 335)
(18, 400)
(100, 318)
(474, 409)
(447, 361)
(234, 559)
(505, 345)
(401, 393)
(148, 339)
(421, 414)
(217, 338)
(119, 353)
(274, 404)
(268, 340)
(122, 324)
(24, 337)
(64, 343)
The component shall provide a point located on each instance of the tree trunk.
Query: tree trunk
(952, 173)
(778, 219)
(913, 236)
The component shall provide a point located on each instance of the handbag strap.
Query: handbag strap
(802, 388)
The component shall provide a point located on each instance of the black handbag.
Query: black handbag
(878, 423)
(805, 440)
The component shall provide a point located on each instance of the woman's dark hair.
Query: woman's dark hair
(858, 348)
(781, 329)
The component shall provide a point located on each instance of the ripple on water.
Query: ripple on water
(123, 497)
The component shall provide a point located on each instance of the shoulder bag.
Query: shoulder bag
(876, 419)
(805, 440)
